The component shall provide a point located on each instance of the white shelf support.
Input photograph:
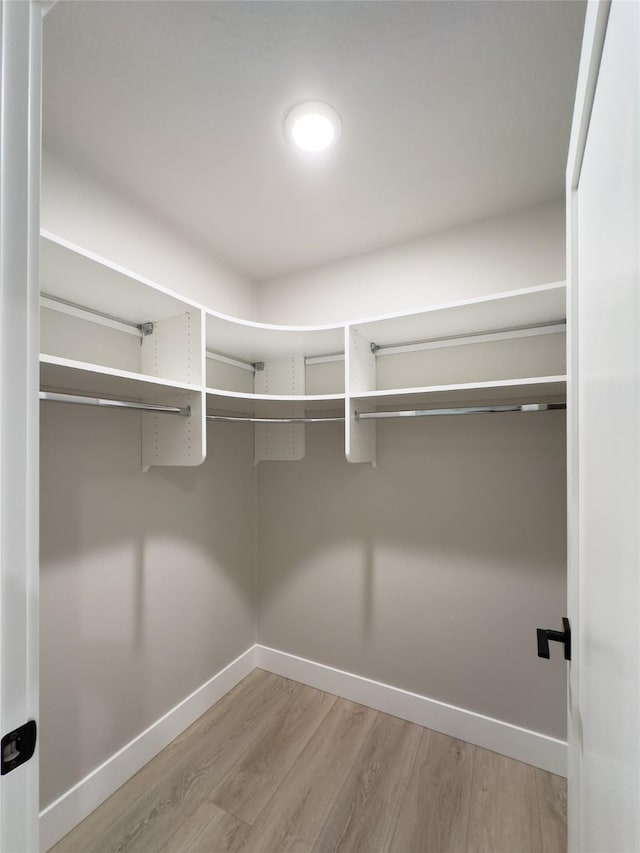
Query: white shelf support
(20, 84)
(177, 441)
(360, 376)
(175, 350)
(280, 442)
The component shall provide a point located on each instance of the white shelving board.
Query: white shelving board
(80, 276)
(515, 308)
(537, 389)
(172, 440)
(360, 373)
(181, 327)
(254, 342)
(166, 440)
(95, 380)
(257, 404)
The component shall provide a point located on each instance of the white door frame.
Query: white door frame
(20, 143)
(20, 82)
(594, 38)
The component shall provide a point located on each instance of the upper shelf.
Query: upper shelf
(80, 276)
(531, 306)
(254, 342)
(77, 275)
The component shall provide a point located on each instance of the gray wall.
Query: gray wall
(521, 249)
(79, 207)
(430, 572)
(147, 581)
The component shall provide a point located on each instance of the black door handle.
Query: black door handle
(546, 634)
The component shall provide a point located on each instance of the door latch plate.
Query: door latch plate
(17, 747)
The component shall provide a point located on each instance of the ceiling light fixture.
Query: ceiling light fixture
(312, 126)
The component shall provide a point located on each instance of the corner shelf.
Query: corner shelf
(113, 333)
(275, 442)
(262, 342)
(232, 402)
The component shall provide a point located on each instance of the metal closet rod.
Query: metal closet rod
(115, 404)
(74, 309)
(251, 420)
(462, 410)
(108, 403)
(414, 413)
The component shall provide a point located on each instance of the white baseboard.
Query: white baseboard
(59, 818)
(531, 747)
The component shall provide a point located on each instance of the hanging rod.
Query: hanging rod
(253, 420)
(461, 410)
(553, 327)
(324, 359)
(234, 362)
(550, 328)
(73, 309)
(115, 404)
(416, 413)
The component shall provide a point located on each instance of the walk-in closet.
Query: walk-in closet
(305, 338)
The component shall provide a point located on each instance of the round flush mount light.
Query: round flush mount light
(312, 126)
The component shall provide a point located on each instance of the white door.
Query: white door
(604, 480)
(20, 42)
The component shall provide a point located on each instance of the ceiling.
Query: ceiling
(451, 111)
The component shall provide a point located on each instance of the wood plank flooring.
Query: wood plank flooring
(278, 767)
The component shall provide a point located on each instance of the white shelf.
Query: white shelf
(537, 389)
(254, 342)
(84, 278)
(258, 404)
(183, 329)
(65, 374)
(515, 308)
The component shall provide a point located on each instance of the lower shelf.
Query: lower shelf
(165, 440)
(272, 405)
(537, 389)
(61, 374)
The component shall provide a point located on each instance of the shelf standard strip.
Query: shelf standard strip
(78, 399)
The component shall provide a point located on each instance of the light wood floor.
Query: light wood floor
(278, 766)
